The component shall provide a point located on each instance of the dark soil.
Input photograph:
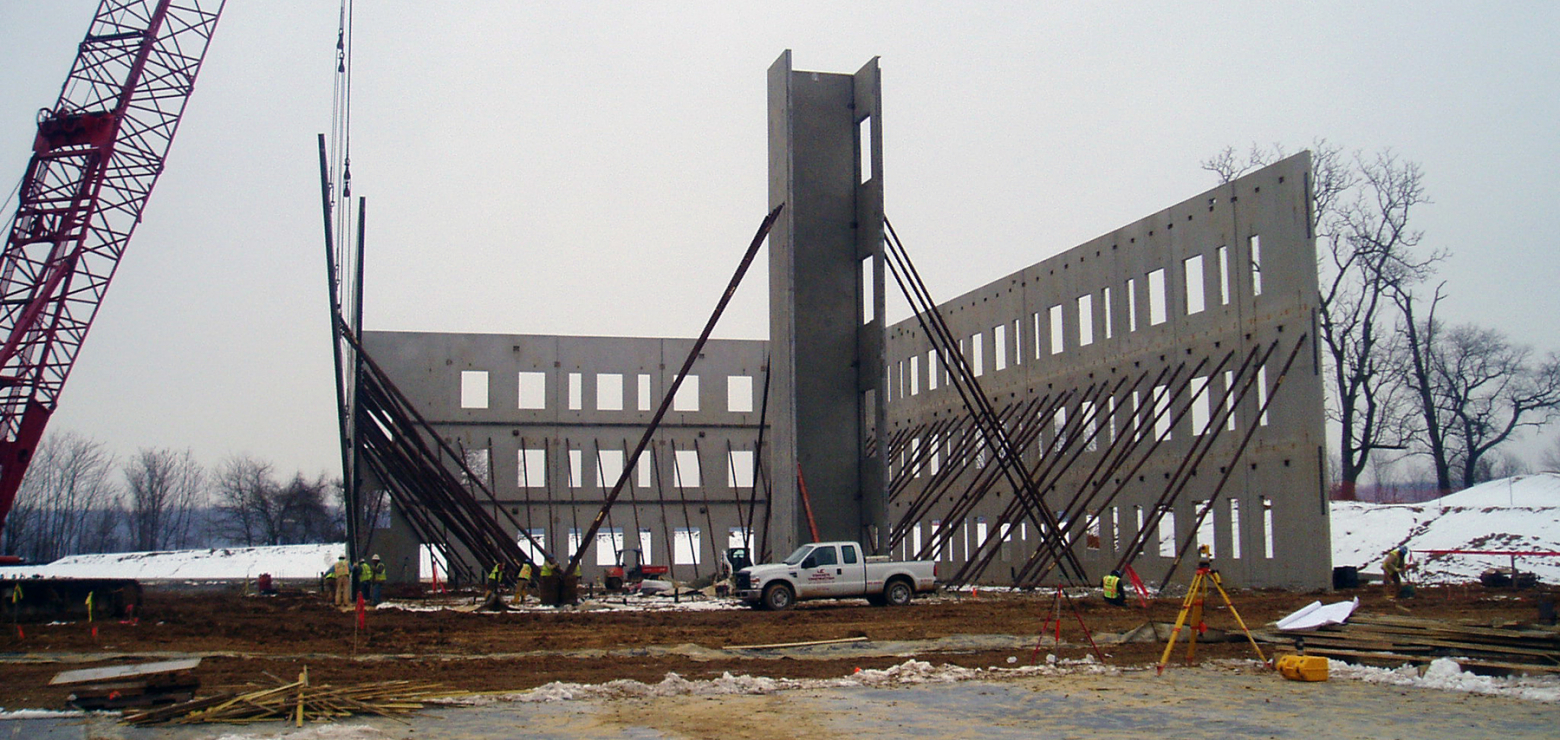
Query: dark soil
(257, 636)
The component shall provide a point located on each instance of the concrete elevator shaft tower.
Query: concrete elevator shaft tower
(826, 368)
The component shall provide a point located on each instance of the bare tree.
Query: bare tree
(1490, 388)
(1360, 216)
(66, 499)
(245, 491)
(165, 489)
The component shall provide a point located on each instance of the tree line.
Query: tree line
(1404, 382)
(78, 497)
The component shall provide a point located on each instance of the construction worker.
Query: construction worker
(1113, 591)
(495, 579)
(1392, 568)
(522, 583)
(378, 574)
(365, 579)
(341, 576)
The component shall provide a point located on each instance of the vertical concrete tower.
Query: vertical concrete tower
(826, 306)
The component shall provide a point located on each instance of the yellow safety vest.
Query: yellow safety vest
(1112, 587)
(525, 572)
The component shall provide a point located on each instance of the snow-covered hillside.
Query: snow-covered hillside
(1520, 513)
(223, 563)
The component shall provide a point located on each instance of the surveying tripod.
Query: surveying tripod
(1192, 607)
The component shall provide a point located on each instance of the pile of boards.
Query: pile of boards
(297, 702)
(1392, 641)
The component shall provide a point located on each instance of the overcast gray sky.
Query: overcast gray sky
(597, 168)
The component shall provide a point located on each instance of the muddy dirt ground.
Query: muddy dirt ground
(248, 640)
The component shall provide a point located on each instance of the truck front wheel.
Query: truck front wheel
(778, 597)
(897, 593)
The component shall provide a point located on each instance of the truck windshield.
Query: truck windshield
(797, 557)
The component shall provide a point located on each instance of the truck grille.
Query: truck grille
(743, 581)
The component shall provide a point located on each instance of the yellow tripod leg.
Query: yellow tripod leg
(1241, 622)
(1194, 624)
(1180, 619)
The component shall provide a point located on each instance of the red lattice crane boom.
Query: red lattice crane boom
(96, 157)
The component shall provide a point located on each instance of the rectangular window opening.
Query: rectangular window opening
(1235, 529)
(473, 389)
(868, 292)
(933, 370)
(999, 347)
(1132, 312)
(1262, 394)
(687, 398)
(609, 392)
(1229, 397)
(609, 467)
(576, 468)
(1085, 319)
(915, 375)
(533, 468)
(644, 391)
(864, 149)
(685, 546)
(1110, 330)
(1205, 529)
(1201, 407)
(609, 543)
(1158, 305)
(1167, 534)
(576, 391)
(1195, 297)
(739, 469)
(686, 471)
(1256, 264)
(1267, 528)
(1018, 343)
(533, 390)
(1224, 276)
(1058, 342)
(1162, 421)
(739, 393)
(977, 361)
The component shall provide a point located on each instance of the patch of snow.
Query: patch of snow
(1444, 673)
(909, 672)
(1519, 513)
(39, 714)
(221, 563)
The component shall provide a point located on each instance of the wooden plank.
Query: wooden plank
(86, 675)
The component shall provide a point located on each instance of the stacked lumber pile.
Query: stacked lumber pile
(1392, 641)
(296, 702)
(120, 687)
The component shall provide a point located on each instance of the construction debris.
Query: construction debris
(120, 687)
(1392, 641)
(296, 702)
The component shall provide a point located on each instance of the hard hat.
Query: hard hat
(1403, 550)
(376, 557)
(343, 557)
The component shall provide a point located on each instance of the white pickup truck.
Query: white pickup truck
(834, 570)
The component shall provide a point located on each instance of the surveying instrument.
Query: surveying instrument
(1191, 616)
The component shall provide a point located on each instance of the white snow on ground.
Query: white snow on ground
(223, 563)
(1444, 673)
(1519, 513)
(906, 673)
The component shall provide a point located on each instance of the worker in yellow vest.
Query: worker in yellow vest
(522, 583)
(341, 575)
(495, 579)
(1113, 592)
